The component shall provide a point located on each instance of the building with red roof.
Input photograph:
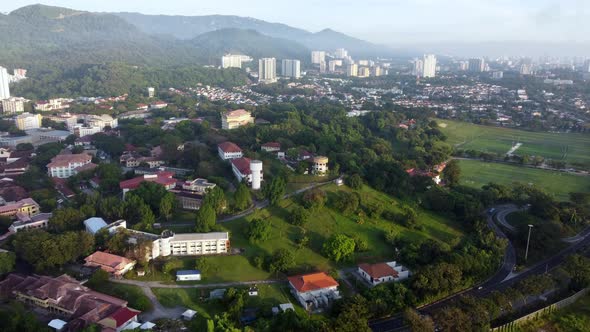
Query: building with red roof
(65, 165)
(271, 147)
(242, 171)
(314, 291)
(229, 150)
(113, 264)
(376, 274)
(164, 179)
(118, 320)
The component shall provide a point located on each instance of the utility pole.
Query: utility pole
(526, 254)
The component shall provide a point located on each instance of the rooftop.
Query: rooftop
(229, 147)
(64, 160)
(161, 178)
(237, 113)
(313, 281)
(378, 270)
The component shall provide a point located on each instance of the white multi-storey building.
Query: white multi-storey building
(65, 165)
(13, 105)
(231, 61)
(429, 66)
(229, 150)
(267, 70)
(340, 53)
(190, 244)
(4, 81)
(352, 70)
(291, 68)
(477, 65)
(27, 121)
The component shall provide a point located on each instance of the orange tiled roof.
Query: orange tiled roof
(313, 281)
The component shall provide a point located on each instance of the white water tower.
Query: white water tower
(256, 169)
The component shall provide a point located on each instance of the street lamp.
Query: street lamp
(526, 254)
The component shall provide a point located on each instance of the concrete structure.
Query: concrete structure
(242, 169)
(477, 65)
(25, 222)
(28, 121)
(271, 147)
(188, 275)
(340, 53)
(256, 173)
(57, 324)
(231, 61)
(314, 291)
(133, 159)
(267, 70)
(236, 119)
(320, 165)
(188, 314)
(52, 104)
(65, 165)
(94, 224)
(24, 207)
(113, 264)
(376, 274)
(291, 68)
(82, 130)
(229, 150)
(13, 105)
(497, 75)
(4, 84)
(364, 72)
(418, 69)
(352, 70)
(190, 244)
(151, 92)
(429, 66)
(164, 179)
(318, 57)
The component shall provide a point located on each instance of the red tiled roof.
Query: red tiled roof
(108, 262)
(161, 178)
(123, 315)
(242, 164)
(272, 145)
(62, 160)
(310, 282)
(379, 270)
(229, 147)
(86, 167)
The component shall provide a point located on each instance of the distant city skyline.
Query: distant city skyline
(387, 22)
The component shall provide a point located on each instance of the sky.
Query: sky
(383, 21)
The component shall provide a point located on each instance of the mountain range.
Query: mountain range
(39, 34)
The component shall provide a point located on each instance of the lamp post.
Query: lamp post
(526, 254)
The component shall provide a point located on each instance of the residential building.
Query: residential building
(65, 165)
(352, 70)
(188, 275)
(291, 68)
(376, 71)
(340, 53)
(418, 69)
(83, 130)
(586, 67)
(241, 169)
(198, 185)
(323, 67)
(267, 70)
(158, 105)
(229, 150)
(318, 57)
(52, 104)
(164, 179)
(68, 298)
(113, 264)
(4, 84)
(231, 61)
(13, 105)
(314, 291)
(364, 72)
(320, 165)
(526, 69)
(188, 244)
(27, 121)
(235, 119)
(100, 121)
(477, 65)
(376, 274)
(332, 64)
(498, 75)
(132, 159)
(26, 222)
(271, 147)
(429, 66)
(25, 207)
(151, 92)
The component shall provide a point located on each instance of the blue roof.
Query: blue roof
(187, 272)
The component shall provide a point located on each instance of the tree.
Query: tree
(453, 319)
(216, 199)
(346, 202)
(452, 173)
(7, 261)
(66, 219)
(259, 230)
(242, 197)
(275, 190)
(99, 277)
(314, 199)
(417, 322)
(339, 247)
(281, 261)
(167, 205)
(206, 218)
(299, 216)
(354, 181)
(204, 265)
(579, 269)
(171, 265)
(353, 316)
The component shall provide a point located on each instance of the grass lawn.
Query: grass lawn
(570, 147)
(132, 294)
(476, 173)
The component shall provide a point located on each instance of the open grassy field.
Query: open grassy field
(572, 148)
(476, 173)
(132, 294)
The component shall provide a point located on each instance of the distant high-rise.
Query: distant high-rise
(323, 67)
(340, 53)
(291, 68)
(477, 65)
(231, 61)
(267, 70)
(352, 70)
(429, 66)
(4, 81)
(418, 69)
(587, 66)
(376, 71)
(364, 72)
(318, 57)
(526, 69)
(497, 75)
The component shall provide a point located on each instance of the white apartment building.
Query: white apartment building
(4, 84)
(13, 105)
(267, 70)
(52, 104)
(65, 165)
(352, 70)
(231, 61)
(188, 244)
(318, 57)
(291, 68)
(340, 53)
(27, 121)
(82, 130)
(429, 66)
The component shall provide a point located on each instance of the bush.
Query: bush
(354, 181)
(314, 199)
(171, 265)
(259, 230)
(299, 216)
(339, 247)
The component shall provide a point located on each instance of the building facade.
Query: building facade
(291, 68)
(320, 165)
(376, 274)
(477, 65)
(65, 165)
(4, 84)
(314, 291)
(13, 105)
(318, 57)
(231, 61)
(25, 207)
(235, 119)
(28, 121)
(429, 70)
(229, 150)
(267, 70)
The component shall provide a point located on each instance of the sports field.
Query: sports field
(476, 173)
(573, 148)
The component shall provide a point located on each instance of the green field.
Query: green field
(476, 173)
(132, 294)
(573, 148)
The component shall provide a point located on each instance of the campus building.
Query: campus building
(236, 119)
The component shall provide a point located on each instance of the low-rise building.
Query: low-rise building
(198, 185)
(65, 165)
(84, 130)
(25, 207)
(27, 121)
(52, 104)
(158, 105)
(314, 291)
(164, 179)
(271, 147)
(188, 275)
(241, 169)
(229, 150)
(113, 264)
(376, 274)
(320, 165)
(25, 222)
(132, 159)
(236, 119)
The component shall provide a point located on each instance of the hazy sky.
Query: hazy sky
(383, 21)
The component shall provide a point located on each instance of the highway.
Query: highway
(501, 280)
